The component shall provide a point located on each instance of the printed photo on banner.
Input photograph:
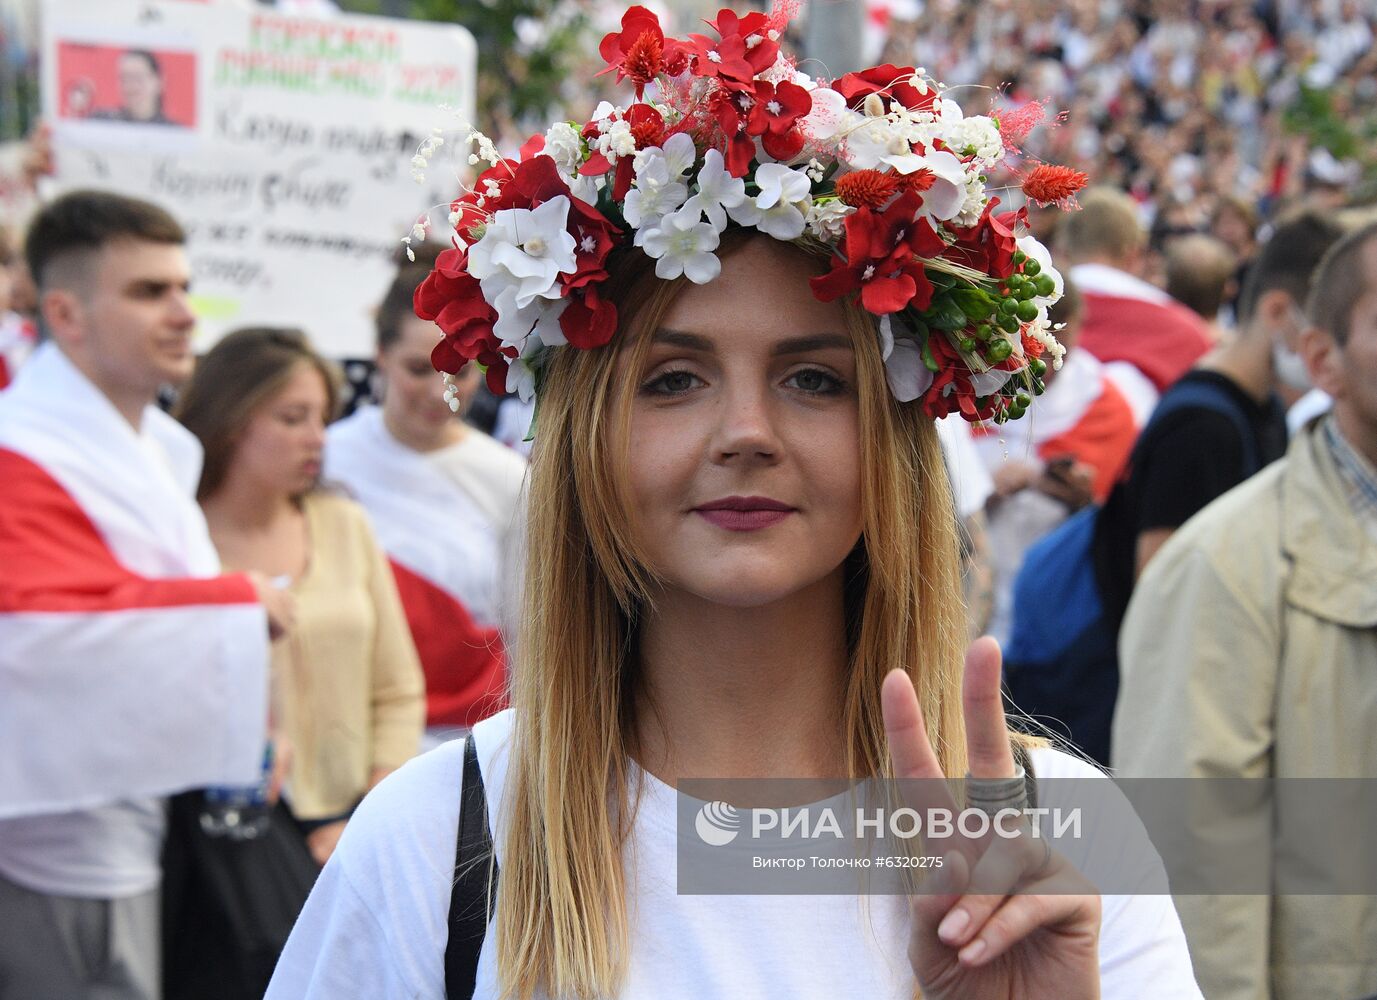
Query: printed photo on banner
(125, 84)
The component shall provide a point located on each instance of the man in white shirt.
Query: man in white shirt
(130, 668)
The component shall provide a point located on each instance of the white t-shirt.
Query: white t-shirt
(376, 923)
(449, 515)
(970, 480)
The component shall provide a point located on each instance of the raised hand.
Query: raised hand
(972, 935)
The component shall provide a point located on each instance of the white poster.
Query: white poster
(283, 144)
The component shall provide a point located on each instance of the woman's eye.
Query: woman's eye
(816, 381)
(671, 383)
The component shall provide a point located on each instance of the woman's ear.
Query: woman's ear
(1324, 360)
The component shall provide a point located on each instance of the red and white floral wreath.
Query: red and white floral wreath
(880, 166)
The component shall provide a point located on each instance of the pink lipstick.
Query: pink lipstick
(744, 513)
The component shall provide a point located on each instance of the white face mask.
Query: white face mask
(1290, 368)
(1288, 365)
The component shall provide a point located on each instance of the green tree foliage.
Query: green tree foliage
(526, 51)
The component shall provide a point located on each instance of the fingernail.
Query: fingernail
(949, 930)
(972, 952)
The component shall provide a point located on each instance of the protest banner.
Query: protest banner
(282, 143)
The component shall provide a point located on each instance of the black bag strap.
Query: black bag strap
(475, 883)
(468, 901)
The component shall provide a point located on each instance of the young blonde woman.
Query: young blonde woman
(743, 559)
(350, 692)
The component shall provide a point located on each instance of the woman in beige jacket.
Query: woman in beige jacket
(349, 694)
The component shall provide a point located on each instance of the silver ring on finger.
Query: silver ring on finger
(995, 795)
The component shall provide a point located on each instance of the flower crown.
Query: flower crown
(881, 167)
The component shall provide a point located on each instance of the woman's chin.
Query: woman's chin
(746, 587)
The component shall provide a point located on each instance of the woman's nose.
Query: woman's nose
(746, 430)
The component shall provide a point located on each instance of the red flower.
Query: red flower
(881, 259)
(887, 81)
(919, 181)
(531, 147)
(989, 245)
(867, 188)
(647, 125)
(952, 373)
(745, 49)
(647, 128)
(775, 110)
(451, 298)
(592, 244)
(588, 320)
(1047, 184)
(639, 50)
(731, 111)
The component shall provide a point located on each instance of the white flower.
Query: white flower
(868, 142)
(979, 134)
(564, 146)
(827, 221)
(886, 337)
(524, 251)
(617, 141)
(717, 191)
(586, 189)
(655, 192)
(826, 118)
(521, 371)
(779, 184)
(678, 153)
(973, 206)
(989, 382)
(515, 321)
(778, 210)
(905, 372)
(950, 186)
(681, 244)
(1039, 332)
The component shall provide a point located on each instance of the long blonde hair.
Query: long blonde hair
(562, 922)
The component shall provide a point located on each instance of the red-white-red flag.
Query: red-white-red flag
(129, 667)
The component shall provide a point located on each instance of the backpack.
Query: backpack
(473, 893)
(1062, 659)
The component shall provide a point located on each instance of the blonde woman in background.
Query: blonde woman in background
(349, 685)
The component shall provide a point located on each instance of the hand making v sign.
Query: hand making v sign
(988, 931)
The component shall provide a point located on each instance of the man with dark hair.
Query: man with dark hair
(1248, 652)
(131, 668)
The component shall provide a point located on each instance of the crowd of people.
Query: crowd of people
(228, 614)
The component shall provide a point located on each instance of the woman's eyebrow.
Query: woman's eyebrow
(813, 342)
(678, 338)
